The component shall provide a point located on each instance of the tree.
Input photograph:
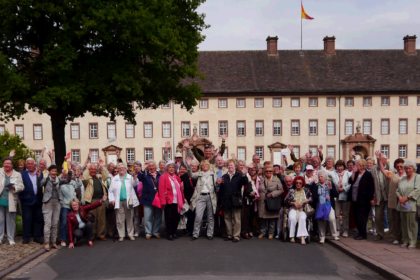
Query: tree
(9, 142)
(72, 57)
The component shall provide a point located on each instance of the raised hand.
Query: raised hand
(220, 181)
(244, 169)
(69, 165)
(290, 147)
(63, 171)
(101, 162)
(352, 152)
(194, 137)
(90, 155)
(216, 152)
(329, 185)
(167, 145)
(224, 135)
(310, 152)
(185, 143)
(320, 148)
(145, 165)
(233, 156)
(188, 161)
(118, 153)
(12, 153)
(38, 172)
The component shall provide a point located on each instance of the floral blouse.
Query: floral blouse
(291, 197)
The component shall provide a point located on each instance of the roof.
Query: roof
(315, 71)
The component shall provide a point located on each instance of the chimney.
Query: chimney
(272, 45)
(410, 44)
(329, 45)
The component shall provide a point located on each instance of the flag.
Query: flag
(304, 15)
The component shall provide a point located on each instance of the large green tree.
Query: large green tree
(9, 142)
(68, 58)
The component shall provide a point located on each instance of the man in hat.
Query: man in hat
(208, 155)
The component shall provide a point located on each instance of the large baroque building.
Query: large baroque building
(342, 99)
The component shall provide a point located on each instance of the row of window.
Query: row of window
(223, 128)
(402, 151)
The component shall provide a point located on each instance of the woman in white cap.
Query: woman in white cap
(171, 198)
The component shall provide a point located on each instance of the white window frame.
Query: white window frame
(240, 127)
(330, 127)
(259, 128)
(349, 101)
(131, 155)
(94, 157)
(330, 151)
(313, 102)
(206, 124)
(93, 129)
(313, 129)
(259, 103)
(278, 101)
(403, 101)
(241, 153)
(260, 152)
(385, 150)
(223, 129)
(129, 130)
(295, 128)
(384, 126)
(148, 130)
(204, 103)
(186, 129)
(385, 101)
(367, 127)
(240, 103)
(20, 133)
(74, 156)
(295, 102)
(222, 103)
(403, 127)
(296, 151)
(402, 151)
(328, 102)
(148, 154)
(349, 127)
(75, 129)
(39, 132)
(112, 127)
(278, 128)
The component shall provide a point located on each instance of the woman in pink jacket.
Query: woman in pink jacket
(171, 198)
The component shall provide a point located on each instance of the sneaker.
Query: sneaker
(411, 247)
(345, 234)
(121, 239)
(322, 240)
(277, 236)
(12, 243)
(336, 238)
(375, 233)
(404, 245)
(136, 235)
(386, 230)
(63, 244)
(132, 238)
(396, 242)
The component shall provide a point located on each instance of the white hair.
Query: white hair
(254, 156)
(323, 173)
(29, 159)
(151, 161)
(195, 162)
(329, 157)
(288, 176)
(411, 163)
(161, 162)
(121, 164)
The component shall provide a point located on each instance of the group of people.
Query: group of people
(231, 198)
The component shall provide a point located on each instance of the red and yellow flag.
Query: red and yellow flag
(304, 15)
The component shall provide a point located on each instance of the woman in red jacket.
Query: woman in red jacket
(171, 198)
(78, 224)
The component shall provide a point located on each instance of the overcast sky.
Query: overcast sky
(357, 24)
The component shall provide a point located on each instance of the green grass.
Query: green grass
(19, 230)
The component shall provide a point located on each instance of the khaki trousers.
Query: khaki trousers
(342, 206)
(51, 211)
(379, 217)
(233, 222)
(100, 219)
(409, 227)
(322, 225)
(124, 215)
(394, 220)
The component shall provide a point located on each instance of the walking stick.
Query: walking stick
(115, 226)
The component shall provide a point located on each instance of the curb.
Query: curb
(21, 263)
(382, 269)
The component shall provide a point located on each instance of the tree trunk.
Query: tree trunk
(58, 125)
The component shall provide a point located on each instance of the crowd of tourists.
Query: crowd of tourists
(203, 194)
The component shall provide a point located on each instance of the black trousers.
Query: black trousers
(251, 218)
(190, 221)
(86, 231)
(361, 216)
(171, 218)
(32, 218)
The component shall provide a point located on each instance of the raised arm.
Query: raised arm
(292, 154)
(381, 165)
(223, 146)
(195, 151)
(321, 156)
(166, 151)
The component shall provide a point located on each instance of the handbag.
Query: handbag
(237, 202)
(156, 200)
(272, 203)
(308, 209)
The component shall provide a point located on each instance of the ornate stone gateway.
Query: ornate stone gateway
(275, 152)
(201, 143)
(363, 145)
(110, 154)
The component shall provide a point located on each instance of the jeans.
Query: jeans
(386, 225)
(86, 231)
(63, 223)
(32, 215)
(152, 219)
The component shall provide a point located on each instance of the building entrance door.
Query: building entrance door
(112, 158)
(277, 158)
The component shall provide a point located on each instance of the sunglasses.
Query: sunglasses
(298, 183)
(268, 171)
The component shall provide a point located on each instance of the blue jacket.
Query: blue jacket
(149, 185)
(27, 196)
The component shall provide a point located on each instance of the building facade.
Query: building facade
(264, 100)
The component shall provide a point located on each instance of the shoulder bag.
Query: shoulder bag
(156, 200)
(271, 203)
(308, 209)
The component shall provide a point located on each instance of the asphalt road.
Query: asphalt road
(201, 259)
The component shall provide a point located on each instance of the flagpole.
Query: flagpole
(301, 30)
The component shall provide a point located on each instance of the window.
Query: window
(19, 130)
(37, 155)
(222, 103)
(402, 151)
(418, 126)
(367, 101)
(129, 130)
(384, 126)
(331, 102)
(37, 131)
(295, 128)
(259, 128)
(403, 126)
(75, 156)
(148, 130)
(385, 101)
(241, 128)
(260, 152)
(111, 130)
(204, 103)
(225, 154)
(277, 102)
(130, 155)
(93, 130)
(330, 151)
(222, 127)
(349, 101)
(185, 129)
(295, 102)
(148, 154)
(313, 102)
(75, 131)
(240, 103)
(166, 106)
(166, 129)
(259, 103)
(241, 153)
(385, 150)
(314, 150)
(2, 129)
(204, 129)
(330, 127)
(296, 151)
(277, 128)
(313, 127)
(403, 101)
(94, 156)
(349, 127)
(418, 151)
(367, 127)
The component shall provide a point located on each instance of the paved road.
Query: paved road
(201, 259)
